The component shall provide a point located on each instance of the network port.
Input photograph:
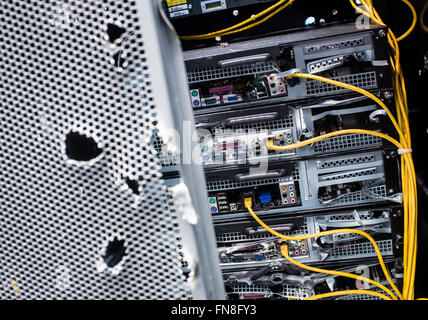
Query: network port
(209, 6)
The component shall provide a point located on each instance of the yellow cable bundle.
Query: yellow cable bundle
(279, 6)
(284, 251)
(409, 179)
(403, 129)
(407, 166)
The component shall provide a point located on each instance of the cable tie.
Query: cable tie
(403, 151)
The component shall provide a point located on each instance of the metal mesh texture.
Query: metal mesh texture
(233, 237)
(213, 73)
(365, 80)
(58, 73)
(288, 292)
(349, 160)
(379, 192)
(334, 46)
(349, 141)
(285, 122)
(363, 249)
(230, 184)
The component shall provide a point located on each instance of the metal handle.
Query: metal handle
(252, 119)
(259, 176)
(334, 102)
(242, 60)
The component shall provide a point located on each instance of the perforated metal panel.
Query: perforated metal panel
(286, 122)
(360, 250)
(359, 196)
(212, 73)
(365, 80)
(349, 160)
(231, 184)
(232, 237)
(60, 73)
(288, 292)
(349, 141)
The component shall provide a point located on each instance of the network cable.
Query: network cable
(279, 6)
(248, 205)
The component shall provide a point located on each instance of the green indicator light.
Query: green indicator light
(195, 93)
(212, 200)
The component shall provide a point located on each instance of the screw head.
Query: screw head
(382, 33)
(387, 95)
(235, 13)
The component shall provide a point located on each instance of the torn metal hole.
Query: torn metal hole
(80, 147)
(119, 61)
(114, 32)
(115, 251)
(133, 185)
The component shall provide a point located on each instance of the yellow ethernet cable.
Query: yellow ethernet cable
(248, 205)
(375, 17)
(409, 186)
(348, 292)
(280, 5)
(408, 176)
(284, 252)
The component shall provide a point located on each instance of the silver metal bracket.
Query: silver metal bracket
(375, 114)
(289, 73)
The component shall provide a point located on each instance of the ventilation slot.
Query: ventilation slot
(288, 292)
(212, 73)
(346, 162)
(360, 250)
(228, 184)
(284, 123)
(379, 193)
(240, 237)
(348, 175)
(362, 80)
(334, 46)
(348, 217)
(345, 142)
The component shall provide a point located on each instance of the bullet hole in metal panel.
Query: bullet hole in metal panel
(115, 251)
(80, 147)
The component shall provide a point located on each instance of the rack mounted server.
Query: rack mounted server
(250, 73)
(242, 98)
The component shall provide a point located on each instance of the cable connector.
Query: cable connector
(284, 251)
(248, 202)
(403, 151)
(289, 73)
